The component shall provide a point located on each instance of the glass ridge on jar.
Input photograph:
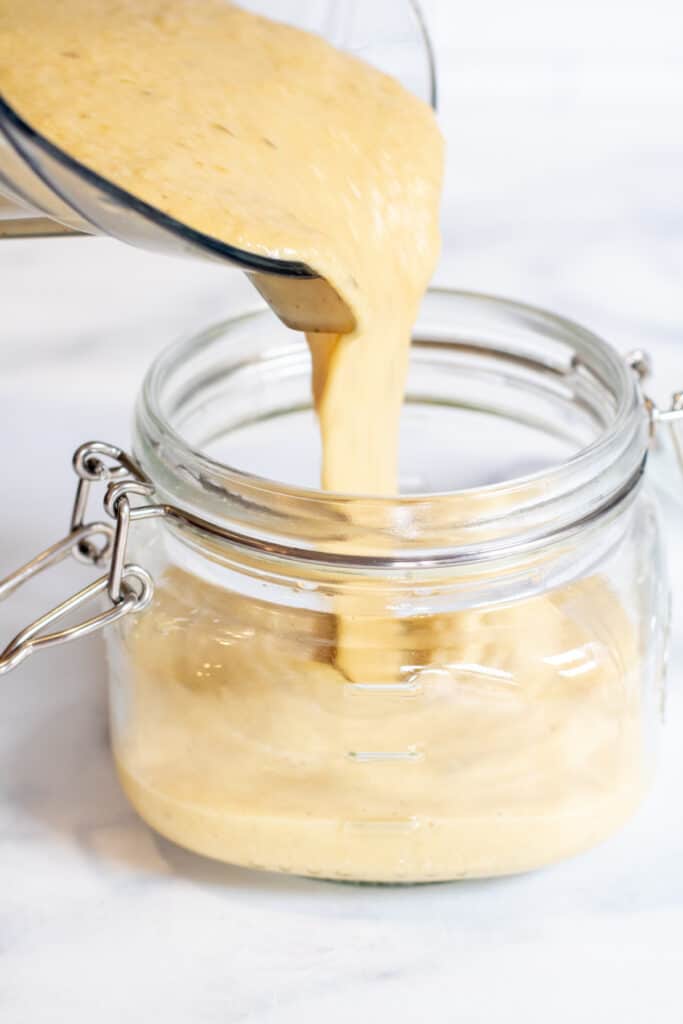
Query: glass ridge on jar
(463, 681)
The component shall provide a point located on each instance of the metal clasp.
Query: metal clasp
(129, 587)
(641, 364)
(674, 418)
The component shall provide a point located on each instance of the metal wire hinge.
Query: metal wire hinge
(674, 417)
(129, 587)
(641, 364)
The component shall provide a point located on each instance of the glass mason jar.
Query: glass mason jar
(463, 681)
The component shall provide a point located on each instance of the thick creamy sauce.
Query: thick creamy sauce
(242, 729)
(513, 733)
(267, 138)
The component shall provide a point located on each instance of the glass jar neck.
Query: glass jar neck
(472, 354)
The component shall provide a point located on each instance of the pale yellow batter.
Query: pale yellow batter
(259, 735)
(270, 139)
(515, 733)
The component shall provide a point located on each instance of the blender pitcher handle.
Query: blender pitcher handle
(22, 222)
(36, 227)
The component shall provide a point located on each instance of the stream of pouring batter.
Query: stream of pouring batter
(267, 138)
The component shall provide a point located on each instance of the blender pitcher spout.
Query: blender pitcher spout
(48, 193)
(44, 192)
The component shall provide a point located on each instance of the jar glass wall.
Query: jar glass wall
(453, 683)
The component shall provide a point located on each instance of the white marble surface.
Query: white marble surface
(564, 188)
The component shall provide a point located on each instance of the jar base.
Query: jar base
(381, 853)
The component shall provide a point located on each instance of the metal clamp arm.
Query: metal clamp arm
(32, 638)
(673, 418)
(130, 587)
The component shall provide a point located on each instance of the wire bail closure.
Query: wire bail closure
(129, 587)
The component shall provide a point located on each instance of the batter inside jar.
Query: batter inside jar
(236, 738)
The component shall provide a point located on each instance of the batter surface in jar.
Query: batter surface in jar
(239, 727)
(518, 729)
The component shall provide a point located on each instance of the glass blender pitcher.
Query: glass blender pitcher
(45, 193)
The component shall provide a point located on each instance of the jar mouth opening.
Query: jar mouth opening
(504, 346)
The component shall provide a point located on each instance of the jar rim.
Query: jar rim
(618, 451)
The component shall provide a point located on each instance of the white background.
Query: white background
(565, 188)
